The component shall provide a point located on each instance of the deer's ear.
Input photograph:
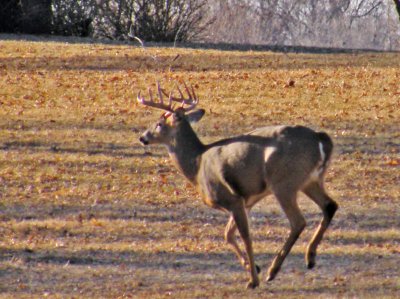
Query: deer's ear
(195, 116)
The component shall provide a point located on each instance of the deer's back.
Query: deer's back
(251, 164)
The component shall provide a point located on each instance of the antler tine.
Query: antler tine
(152, 103)
(182, 97)
(180, 92)
(192, 101)
(195, 95)
(179, 100)
(160, 92)
(188, 90)
(192, 97)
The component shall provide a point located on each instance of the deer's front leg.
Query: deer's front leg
(239, 215)
(230, 230)
(230, 238)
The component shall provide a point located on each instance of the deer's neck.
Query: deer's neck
(185, 151)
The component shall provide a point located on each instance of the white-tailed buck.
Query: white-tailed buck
(233, 174)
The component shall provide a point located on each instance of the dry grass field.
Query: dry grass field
(86, 212)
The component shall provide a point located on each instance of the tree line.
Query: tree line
(372, 24)
(152, 20)
(331, 23)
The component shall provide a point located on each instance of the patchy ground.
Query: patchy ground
(85, 211)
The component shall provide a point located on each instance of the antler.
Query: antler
(160, 105)
(192, 100)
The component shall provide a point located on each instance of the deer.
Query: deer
(234, 174)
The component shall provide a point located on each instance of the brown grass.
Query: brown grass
(85, 211)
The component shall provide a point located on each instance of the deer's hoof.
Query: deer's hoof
(310, 264)
(310, 260)
(252, 284)
(271, 274)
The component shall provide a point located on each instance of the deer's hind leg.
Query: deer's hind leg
(287, 200)
(328, 206)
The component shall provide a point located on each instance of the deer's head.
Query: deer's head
(173, 120)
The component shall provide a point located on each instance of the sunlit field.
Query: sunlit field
(87, 212)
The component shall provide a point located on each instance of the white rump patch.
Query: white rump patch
(321, 150)
(316, 173)
(268, 152)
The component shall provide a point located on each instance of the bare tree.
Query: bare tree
(313, 22)
(152, 20)
(178, 20)
(112, 18)
(73, 17)
(331, 23)
(234, 22)
(363, 8)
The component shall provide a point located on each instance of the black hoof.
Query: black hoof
(272, 274)
(310, 260)
(310, 265)
(252, 285)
